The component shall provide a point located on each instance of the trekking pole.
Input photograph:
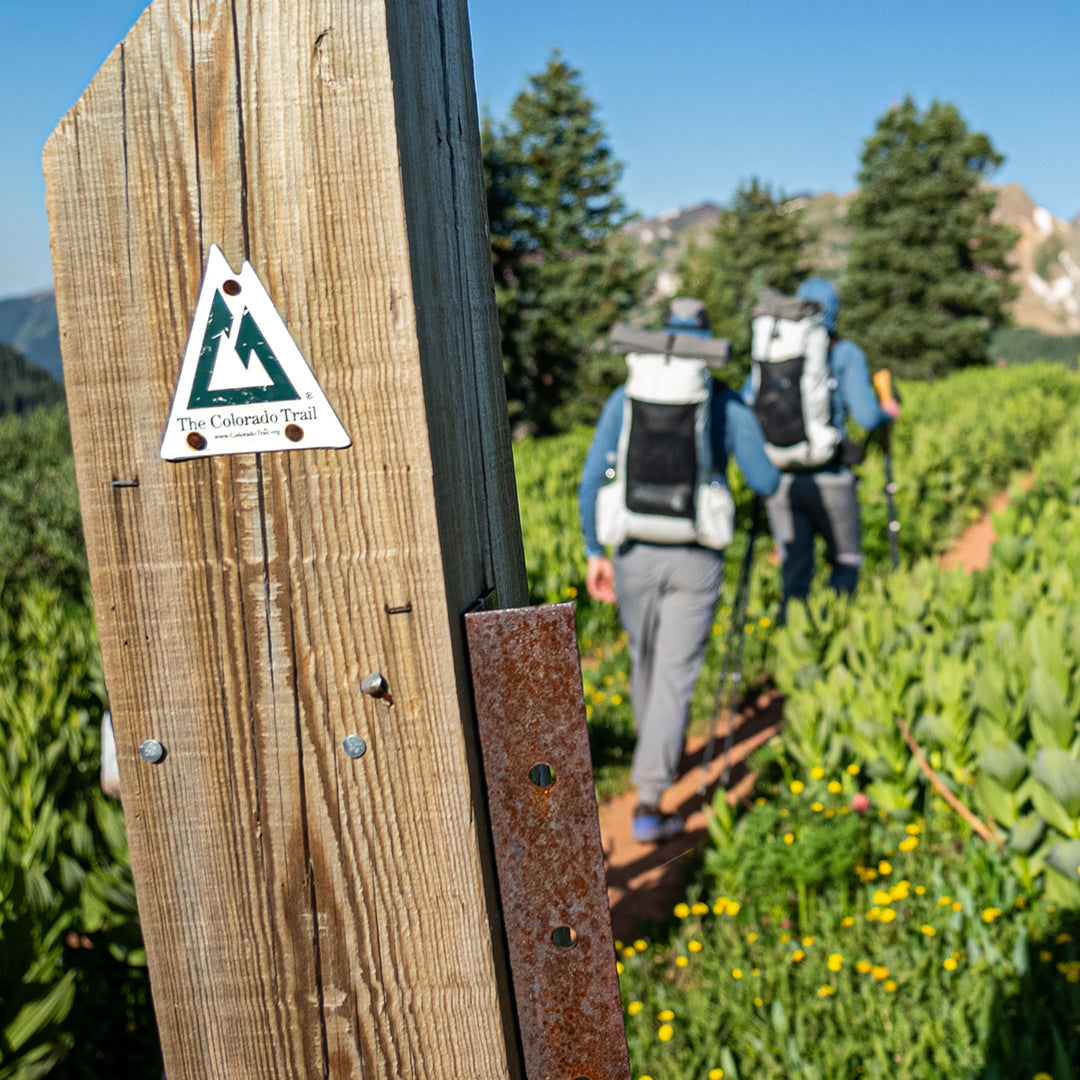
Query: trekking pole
(883, 386)
(731, 665)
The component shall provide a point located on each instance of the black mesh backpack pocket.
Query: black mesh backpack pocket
(661, 459)
(779, 406)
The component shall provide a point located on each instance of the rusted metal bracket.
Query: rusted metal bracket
(526, 679)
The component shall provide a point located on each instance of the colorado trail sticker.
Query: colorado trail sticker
(244, 386)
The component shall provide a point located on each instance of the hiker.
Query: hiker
(817, 493)
(654, 489)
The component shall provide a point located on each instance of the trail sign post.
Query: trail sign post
(281, 630)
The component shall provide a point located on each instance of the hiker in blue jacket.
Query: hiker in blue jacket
(822, 501)
(666, 593)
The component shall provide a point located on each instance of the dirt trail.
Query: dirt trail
(645, 882)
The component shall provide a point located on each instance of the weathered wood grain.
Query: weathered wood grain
(305, 914)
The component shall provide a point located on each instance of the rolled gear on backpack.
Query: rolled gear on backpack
(791, 381)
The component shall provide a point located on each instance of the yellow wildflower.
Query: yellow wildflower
(945, 901)
(736, 973)
(1042, 1076)
(764, 622)
(694, 946)
(909, 844)
(629, 951)
(949, 964)
(887, 915)
(1046, 956)
(797, 956)
(835, 961)
(920, 890)
(990, 914)
(834, 787)
(817, 807)
(928, 930)
(716, 1074)
(616, 699)
(825, 991)
(751, 937)
(957, 906)
(873, 914)
(884, 867)
(879, 972)
(789, 838)
(913, 830)
(664, 1016)
(817, 772)
(863, 967)
(848, 921)
(681, 961)
(853, 769)
(785, 938)
(699, 909)
(807, 941)
(1063, 939)
(665, 1033)
(882, 897)
(758, 1002)
(682, 910)
(797, 787)
(733, 908)
(890, 986)
(634, 1008)
(640, 945)
(619, 969)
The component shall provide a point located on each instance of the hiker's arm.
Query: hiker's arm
(600, 457)
(853, 381)
(746, 444)
(600, 579)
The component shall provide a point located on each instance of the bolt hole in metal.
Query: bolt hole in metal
(294, 432)
(196, 441)
(542, 775)
(231, 286)
(564, 937)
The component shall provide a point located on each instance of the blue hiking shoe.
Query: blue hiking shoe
(652, 826)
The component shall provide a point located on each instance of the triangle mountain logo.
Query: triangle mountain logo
(244, 386)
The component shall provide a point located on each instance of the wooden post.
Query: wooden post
(305, 913)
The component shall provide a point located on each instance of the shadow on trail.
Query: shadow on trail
(653, 878)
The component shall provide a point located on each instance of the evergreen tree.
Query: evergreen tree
(758, 240)
(927, 280)
(563, 276)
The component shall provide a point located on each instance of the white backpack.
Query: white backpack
(792, 381)
(665, 490)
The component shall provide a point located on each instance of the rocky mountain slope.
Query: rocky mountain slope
(1046, 258)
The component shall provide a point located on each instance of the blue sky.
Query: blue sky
(695, 95)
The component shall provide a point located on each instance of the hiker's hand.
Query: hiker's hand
(892, 407)
(600, 579)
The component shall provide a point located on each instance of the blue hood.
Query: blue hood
(824, 293)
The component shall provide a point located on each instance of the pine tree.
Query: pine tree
(927, 279)
(563, 275)
(758, 240)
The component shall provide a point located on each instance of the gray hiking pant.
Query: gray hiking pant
(667, 600)
(823, 504)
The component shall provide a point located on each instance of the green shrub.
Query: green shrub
(821, 943)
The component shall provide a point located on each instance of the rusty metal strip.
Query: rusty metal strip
(526, 678)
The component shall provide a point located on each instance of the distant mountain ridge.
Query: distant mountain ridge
(1046, 258)
(28, 324)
